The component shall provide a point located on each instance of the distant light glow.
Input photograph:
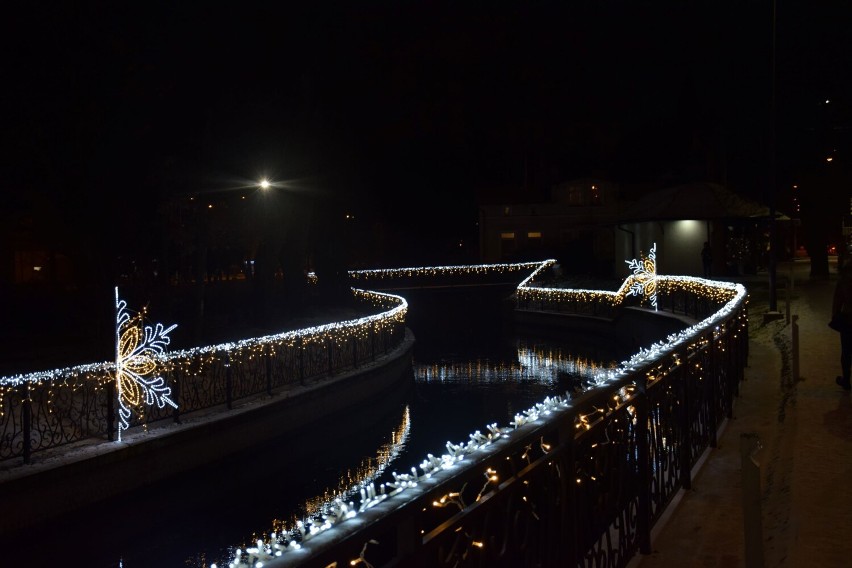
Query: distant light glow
(264, 184)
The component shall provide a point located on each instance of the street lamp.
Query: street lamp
(264, 184)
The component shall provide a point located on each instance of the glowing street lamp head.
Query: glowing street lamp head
(264, 184)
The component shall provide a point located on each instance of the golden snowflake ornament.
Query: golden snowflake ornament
(138, 348)
(644, 276)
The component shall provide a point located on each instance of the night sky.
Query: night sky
(409, 112)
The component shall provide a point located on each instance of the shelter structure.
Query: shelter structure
(591, 227)
(680, 219)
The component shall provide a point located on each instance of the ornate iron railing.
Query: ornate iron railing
(574, 482)
(55, 408)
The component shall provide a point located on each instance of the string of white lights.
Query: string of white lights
(730, 296)
(452, 270)
(396, 307)
(733, 295)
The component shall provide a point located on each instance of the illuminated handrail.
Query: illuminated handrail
(645, 366)
(30, 421)
(624, 384)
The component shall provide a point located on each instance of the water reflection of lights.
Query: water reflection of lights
(351, 485)
(536, 363)
(730, 297)
(368, 470)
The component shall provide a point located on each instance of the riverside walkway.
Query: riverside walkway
(805, 430)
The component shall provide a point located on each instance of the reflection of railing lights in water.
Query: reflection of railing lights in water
(353, 483)
(369, 469)
(728, 297)
(538, 364)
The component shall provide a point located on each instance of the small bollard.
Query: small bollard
(752, 517)
(788, 288)
(794, 341)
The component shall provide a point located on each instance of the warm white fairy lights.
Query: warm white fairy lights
(452, 270)
(138, 348)
(337, 332)
(728, 298)
(727, 295)
(322, 514)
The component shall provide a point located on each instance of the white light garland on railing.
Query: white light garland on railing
(337, 508)
(452, 270)
(143, 350)
(339, 332)
(732, 295)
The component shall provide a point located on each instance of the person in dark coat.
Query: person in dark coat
(707, 259)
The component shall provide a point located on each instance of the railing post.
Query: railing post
(330, 347)
(176, 395)
(787, 302)
(110, 394)
(373, 340)
(686, 428)
(354, 352)
(27, 417)
(301, 347)
(712, 388)
(269, 372)
(229, 382)
(729, 360)
(794, 330)
(408, 541)
(643, 466)
(572, 549)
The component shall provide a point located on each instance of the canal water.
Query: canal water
(471, 367)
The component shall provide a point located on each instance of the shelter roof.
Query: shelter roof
(694, 201)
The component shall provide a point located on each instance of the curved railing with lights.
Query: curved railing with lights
(578, 479)
(54, 408)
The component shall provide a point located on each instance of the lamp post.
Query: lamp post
(773, 298)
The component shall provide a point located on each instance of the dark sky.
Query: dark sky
(115, 105)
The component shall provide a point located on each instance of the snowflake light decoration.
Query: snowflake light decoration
(644, 276)
(137, 348)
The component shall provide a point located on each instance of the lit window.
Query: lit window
(507, 235)
(534, 235)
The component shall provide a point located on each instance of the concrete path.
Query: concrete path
(805, 462)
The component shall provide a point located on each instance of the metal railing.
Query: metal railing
(582, 484)
(47, 410)
(577, 481)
